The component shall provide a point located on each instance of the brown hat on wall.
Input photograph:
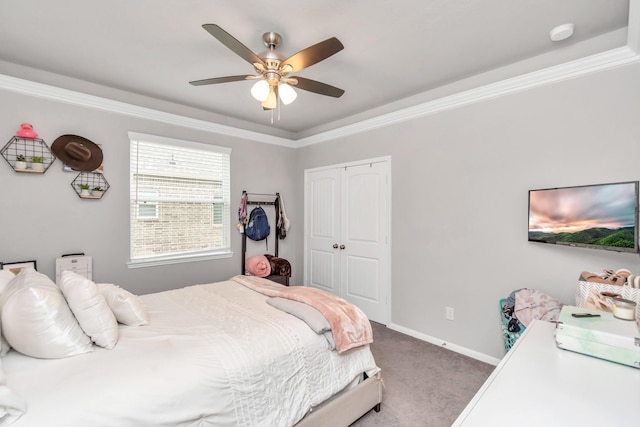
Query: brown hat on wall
(77, 152)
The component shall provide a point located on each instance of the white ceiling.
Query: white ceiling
(397, 53)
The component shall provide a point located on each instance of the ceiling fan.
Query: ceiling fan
(273, 69)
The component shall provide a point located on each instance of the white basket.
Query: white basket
(627, 292)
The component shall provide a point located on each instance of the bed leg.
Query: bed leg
(377, 407)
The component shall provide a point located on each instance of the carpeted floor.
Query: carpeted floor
(425, 385)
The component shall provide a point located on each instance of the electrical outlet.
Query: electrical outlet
(449, 314)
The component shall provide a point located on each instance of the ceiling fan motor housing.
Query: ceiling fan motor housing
(271, 57)
(271, 40)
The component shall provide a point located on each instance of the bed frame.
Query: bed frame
(348, 407)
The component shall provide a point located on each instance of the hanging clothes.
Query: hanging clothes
(283, 222)
(242, 212)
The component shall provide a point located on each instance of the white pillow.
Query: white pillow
(36, 319)
(5, 277)
(4, 344)
(127, 307)
(90, 308)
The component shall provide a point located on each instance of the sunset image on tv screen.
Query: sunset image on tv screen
(597, 215)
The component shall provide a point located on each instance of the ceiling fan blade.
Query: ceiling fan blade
(311, 55)
(220, 80)
(316, 87)
(229, 41)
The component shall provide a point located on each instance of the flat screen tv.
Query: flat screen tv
(603, 216)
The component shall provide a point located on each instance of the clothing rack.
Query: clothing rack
(276, 206)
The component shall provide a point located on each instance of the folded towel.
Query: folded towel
(258, 265)
(279, 266)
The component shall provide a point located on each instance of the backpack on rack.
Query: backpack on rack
(258, 227)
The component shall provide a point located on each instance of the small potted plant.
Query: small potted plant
(84, 190)
(36, 163)
(97, 191)
(20, 163)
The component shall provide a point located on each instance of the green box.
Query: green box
(603, 336)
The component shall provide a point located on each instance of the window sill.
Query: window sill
(176, 259)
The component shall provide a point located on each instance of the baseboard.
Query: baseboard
(450, 346)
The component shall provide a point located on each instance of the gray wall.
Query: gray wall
(460, 182)
(43, 218)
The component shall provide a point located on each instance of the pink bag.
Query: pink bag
(532, 304)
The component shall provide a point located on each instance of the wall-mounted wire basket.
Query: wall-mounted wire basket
(90, 185)
(28, 155)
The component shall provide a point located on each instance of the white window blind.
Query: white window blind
(180, 200)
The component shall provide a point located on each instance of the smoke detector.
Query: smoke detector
(561, 32)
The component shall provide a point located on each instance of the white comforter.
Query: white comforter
(213, 354)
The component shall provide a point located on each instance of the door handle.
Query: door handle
(335, 246)
(342, 246)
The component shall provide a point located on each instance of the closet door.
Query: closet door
(347, 234)
(322, 230)
(364, 273)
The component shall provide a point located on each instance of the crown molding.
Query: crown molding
(40, 90)
(595, 63)
(633, 28)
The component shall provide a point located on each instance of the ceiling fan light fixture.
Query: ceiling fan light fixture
(260, 90)
(287, 94)
(271, 102)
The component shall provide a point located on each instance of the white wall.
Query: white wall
(460, 183)
(43, 218)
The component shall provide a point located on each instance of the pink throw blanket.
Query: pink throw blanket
(350, 327)
(258, 265)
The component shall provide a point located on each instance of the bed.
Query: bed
(212, 354)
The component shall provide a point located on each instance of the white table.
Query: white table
(538, 384)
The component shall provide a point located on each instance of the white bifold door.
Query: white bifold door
(347, 242)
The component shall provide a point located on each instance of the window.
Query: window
(180, 207)
(147, 205)
(218, 211)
